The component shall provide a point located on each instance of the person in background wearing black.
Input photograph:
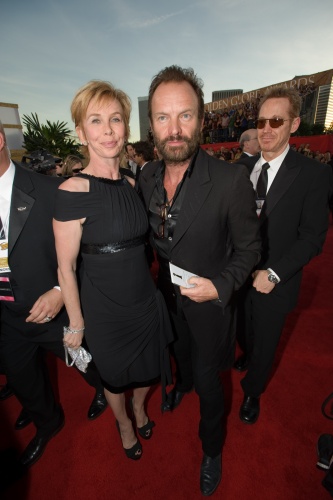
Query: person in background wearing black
(143, 153)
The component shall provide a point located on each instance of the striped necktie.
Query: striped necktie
(2, 231)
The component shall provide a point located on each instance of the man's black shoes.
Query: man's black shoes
(98, 405)
(210, 474)
(250, 409)
(325, 451)
(173, 400)
(241, 364)
(37, 445)
(6, 392)
(23, 420)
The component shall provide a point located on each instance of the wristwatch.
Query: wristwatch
(272, 278)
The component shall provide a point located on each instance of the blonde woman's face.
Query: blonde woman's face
(103, 128)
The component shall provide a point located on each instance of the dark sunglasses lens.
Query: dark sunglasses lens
(276, 122)
(273, 122)
(260, 123)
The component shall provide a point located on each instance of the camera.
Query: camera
(40, 161)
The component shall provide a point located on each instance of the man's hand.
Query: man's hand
(261, 282)
(203, 291)
(47, 306)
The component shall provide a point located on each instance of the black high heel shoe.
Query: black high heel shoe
(131, 452)
(146, 431)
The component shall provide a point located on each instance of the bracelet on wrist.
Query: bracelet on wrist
(68, 329)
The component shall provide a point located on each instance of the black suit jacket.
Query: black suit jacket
(31, 250)
(293, 224)
(216, 237)
(248, 161)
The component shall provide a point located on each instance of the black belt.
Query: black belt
(119, 246)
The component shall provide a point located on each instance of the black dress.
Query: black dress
(126, 322)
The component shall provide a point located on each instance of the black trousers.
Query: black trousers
(22, 353)
(193, 370)
(264, 325)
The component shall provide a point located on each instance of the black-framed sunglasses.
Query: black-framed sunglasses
(77, 170)
(273, 122)
(163, 213)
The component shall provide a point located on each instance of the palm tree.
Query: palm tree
(54, 137)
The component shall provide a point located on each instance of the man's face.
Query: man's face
(273, 141)
(130, 152)
(251, 146)
(138, 158)
(174, 123)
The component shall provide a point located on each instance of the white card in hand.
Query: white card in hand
(179, 276)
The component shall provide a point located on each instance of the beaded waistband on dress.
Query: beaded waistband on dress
(119, 246)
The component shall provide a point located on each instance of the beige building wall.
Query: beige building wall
(10, 118)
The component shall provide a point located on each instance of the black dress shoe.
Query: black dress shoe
(23, 420)
(210, 474)
(173, 400)
(98, 405)
(6, 392)
(37, 445)
(325, 451)
(241, 364)
(250, 409)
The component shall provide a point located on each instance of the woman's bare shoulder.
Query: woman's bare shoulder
(75, 184)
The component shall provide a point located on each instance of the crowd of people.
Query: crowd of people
(234, 153)
(228, 124)
(231, 242)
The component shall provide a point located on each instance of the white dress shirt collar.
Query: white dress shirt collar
(6, 188)
(274, 166)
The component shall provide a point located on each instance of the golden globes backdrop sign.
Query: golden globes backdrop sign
(305, 84)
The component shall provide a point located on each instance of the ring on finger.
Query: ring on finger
(47, 318)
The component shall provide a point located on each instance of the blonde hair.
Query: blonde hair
(100, 91)
(69, 162)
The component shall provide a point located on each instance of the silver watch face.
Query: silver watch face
(272, 278)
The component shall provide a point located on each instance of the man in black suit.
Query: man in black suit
(32, 315)
(202, 215)
(292, 199)
(131, 164)
(143, 153)
(249, 143)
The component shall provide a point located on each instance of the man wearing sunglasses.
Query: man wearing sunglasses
(292, 194)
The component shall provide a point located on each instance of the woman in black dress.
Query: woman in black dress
(99, 215)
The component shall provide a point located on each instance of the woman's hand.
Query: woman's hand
(73, 340)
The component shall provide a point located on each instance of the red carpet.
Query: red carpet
(272, 460)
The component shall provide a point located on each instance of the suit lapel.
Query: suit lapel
(286, 175)
(148, 184)
(21, 205)
(197, 190)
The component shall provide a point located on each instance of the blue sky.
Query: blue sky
(50, 48)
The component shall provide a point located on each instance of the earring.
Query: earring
(85, 143)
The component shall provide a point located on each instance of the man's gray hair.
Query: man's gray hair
(244, 137)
